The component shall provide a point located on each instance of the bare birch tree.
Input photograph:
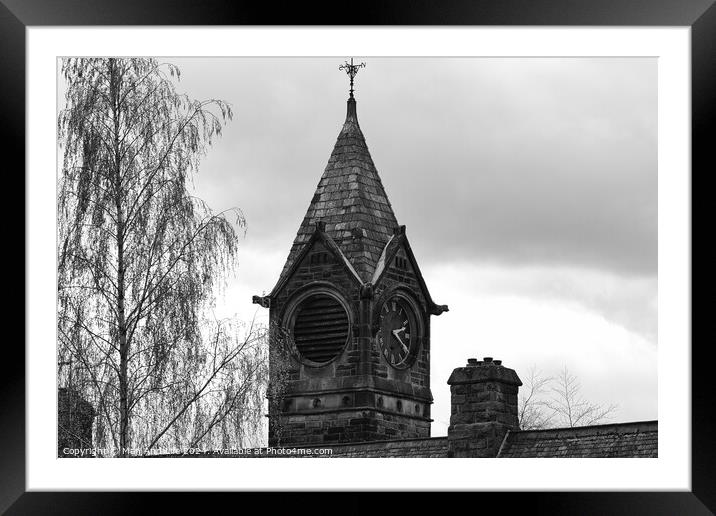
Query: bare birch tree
(140, 259)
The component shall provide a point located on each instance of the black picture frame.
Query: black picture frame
(700, 15)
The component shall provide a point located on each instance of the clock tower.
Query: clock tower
(350, 313)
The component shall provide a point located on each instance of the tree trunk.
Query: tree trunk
(121, 317)
(123, 350)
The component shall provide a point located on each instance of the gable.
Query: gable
(318, 258)
(397, 260)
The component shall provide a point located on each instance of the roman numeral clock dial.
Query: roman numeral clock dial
(397, 335)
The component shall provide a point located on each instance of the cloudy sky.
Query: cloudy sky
(528, 188)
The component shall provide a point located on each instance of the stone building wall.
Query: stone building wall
(356, 396)
(74, 422)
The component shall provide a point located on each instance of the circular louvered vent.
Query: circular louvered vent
(320, 328)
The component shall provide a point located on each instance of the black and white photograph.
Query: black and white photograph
(358, 257)
(436, 247)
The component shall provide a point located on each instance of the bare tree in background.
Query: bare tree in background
(532, 411)
(557, 402)
(570, 407)
(140, 260)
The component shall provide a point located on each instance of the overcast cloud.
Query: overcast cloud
(541, 161)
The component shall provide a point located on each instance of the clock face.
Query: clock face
(397, 335)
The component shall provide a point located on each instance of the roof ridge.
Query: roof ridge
(601, 425)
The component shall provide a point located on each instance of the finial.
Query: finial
(351, 69)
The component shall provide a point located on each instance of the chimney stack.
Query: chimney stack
(484, 407)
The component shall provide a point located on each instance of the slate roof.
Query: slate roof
(638, 439)
(432, 447)
(628, 440)
(428, 447)
(352, 202)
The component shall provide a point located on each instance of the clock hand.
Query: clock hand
(395, 333)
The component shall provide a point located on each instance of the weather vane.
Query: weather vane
(351, 69)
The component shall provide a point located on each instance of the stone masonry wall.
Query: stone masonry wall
(348, 427)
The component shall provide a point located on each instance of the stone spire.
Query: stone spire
(352, 202)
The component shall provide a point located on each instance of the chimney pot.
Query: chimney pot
(498, 362)
(471, 362)
(487, 360)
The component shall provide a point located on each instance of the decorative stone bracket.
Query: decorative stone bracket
(264, 301)
(438, 309)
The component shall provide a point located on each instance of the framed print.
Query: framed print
(493, 257)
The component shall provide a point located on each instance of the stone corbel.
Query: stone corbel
(438, 309)
(264, 301)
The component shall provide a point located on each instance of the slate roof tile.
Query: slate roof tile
(638, 439)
